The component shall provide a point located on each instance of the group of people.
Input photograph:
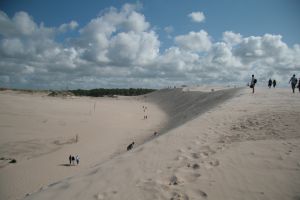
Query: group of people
(270, 83)
(73, 159)
(293, 81)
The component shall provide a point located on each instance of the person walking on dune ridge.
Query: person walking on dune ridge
(270, 83)
(299, 84)
(252, 83)
(274, 83)
(293, 82)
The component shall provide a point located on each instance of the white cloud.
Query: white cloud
(135, 22)
(197, 16)
(12, 46)
(118, 35)
(232, 38)
(24, 23)
(194, 41)
(169, 29)
(131, 48)
(70, 26)
(256, 48)
(222, 55)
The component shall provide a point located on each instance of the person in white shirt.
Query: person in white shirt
(77, 159)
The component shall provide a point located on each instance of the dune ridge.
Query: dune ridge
(182, 106)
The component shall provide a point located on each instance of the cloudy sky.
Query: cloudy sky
(110, 43)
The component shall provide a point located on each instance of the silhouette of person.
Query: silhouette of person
(293, 82)
(77, 159)
(274, 83)
(270, 83)
(73, 160)
(299, 85)
(252, 83)
(70, 160)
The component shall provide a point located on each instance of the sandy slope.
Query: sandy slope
(39, 132)
(245, 148)
(183, 105)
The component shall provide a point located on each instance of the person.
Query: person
(73, 160)
(253, 82)
(130, 146)
(77, 159)
(293, 82)
(70, 160)
(299, 85)
(270, 83)
(274, 83)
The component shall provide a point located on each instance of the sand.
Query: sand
(40, 132)
(232, 145)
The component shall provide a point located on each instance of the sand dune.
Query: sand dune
(240, 146)
(39, 132)
(182, 106)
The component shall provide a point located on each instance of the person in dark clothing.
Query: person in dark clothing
(293, 82)
(270, 83)
(299, 84)
(70, 160)
(274, 83)
(73, 160)
(252, 83)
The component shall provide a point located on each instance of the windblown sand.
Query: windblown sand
(227, 144)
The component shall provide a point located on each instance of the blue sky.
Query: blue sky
(248, 17)
(182, 50)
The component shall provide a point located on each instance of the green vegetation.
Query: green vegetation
(100, 92)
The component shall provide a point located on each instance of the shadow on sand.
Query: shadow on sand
(65, 165)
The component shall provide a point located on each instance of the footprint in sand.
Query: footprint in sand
(204, 154)
(195, 155)
(181, 151)
(178, 196)
(202, 194)
(191, 177)
(214, 163)
(99, 196)
(174, 180)
(289, 152)
(194, 166)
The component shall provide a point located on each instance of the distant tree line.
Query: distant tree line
(100, 92)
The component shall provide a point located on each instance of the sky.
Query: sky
(149, 44)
